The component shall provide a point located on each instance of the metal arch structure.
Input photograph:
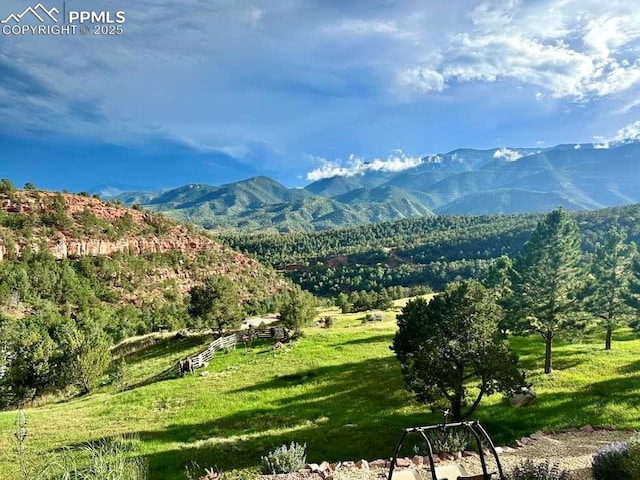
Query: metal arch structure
(478, 432)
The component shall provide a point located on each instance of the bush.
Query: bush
(284, 459)
(529, 470)
(103, 460)
(119, 374)
(448, 442)
(609, 462)
(632, 464)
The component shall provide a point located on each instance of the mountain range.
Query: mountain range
(464, 181)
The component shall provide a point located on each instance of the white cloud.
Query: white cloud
(600, 142)
(628, 132)
(423, 80)
(553, 46)
(357, 166)
(506, 154)
(364, 27)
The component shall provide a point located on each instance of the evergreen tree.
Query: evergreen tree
(608, 285)
(215, 304)
(343, 303)
(452, 343)
(547, 278)
(298, 309)
(632, 296)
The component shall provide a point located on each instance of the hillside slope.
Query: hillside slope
(132, 257)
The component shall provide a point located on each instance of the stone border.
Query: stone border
(325, 469)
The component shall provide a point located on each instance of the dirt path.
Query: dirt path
(571, 451)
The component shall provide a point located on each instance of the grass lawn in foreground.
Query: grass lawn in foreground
(338, 390)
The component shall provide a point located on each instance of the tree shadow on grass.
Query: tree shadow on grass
(348, 421)
(559, 410)
(366, 340)
(342, 412)
(352, 411)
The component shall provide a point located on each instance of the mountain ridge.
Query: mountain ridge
(462, 181)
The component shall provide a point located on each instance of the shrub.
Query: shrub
(7, 187)
(119, 374)
(632, 463)
(529, 470)
(608, 462)
(328, 321)
(284, 459)
(102, 460)
(450, 441)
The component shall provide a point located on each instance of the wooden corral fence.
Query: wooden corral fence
(227, 342)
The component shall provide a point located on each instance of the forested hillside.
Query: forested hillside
(463, 182)
(431, 250)
(77, 274)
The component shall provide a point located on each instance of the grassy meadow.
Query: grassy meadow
(338, 390)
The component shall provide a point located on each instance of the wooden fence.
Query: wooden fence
(228, 342)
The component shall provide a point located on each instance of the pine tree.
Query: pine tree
(451, 351)
(215, 304)
(298, 309)
(547, 278)
(632, 296)
(608, 285)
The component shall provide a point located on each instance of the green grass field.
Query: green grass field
(338, 390)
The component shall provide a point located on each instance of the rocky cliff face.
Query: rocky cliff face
(69, 242)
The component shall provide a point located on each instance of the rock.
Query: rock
(537, 436)
(304, 471)
(348, 464)
(324, 467)
(403, 462)
(525, 440)
(470, 453)
(526, 396)
(436, 459)
(362, 464)
(506, 449)
(313, 467)
(378, 464)
(446, 457)
(457, 455)
(335, 466)
(204, 374)
(499, 450)
(586, 428)
(417, 460)
(517, 444)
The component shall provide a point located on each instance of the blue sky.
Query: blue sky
(212, 91)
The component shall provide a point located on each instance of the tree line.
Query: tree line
(551, 288)
(431, 251)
